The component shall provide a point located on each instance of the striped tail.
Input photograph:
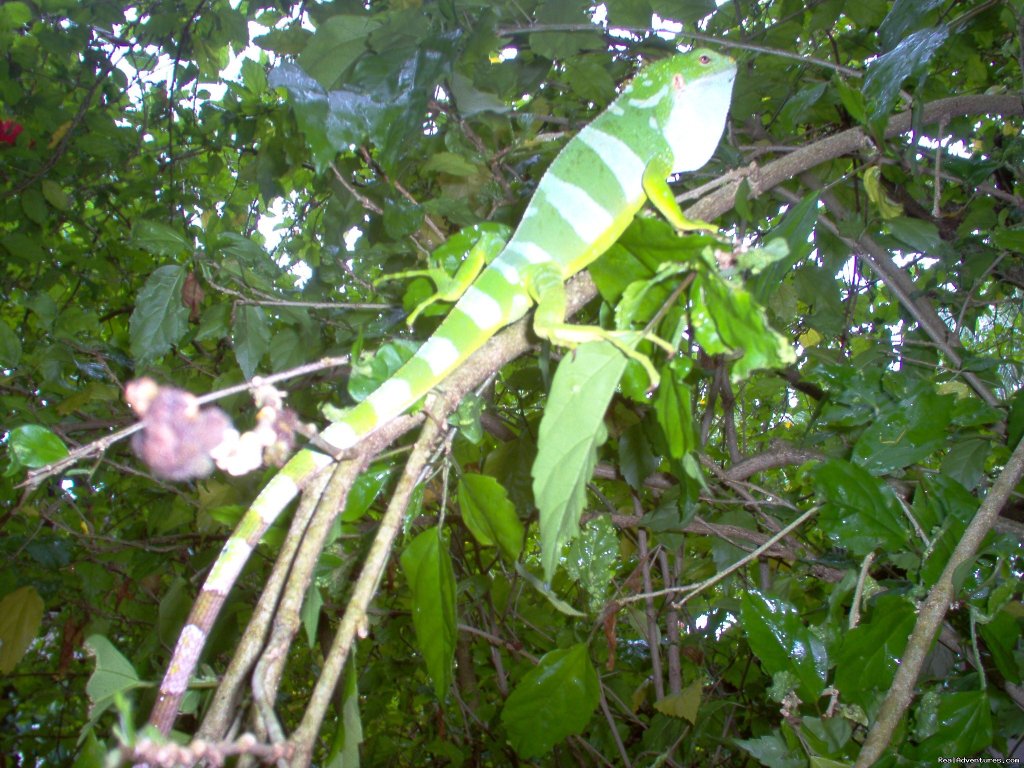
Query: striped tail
(490, 303)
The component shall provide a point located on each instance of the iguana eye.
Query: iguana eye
(705, 59)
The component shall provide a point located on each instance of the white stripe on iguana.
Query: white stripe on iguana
(531, 253)
(520, 304)
(579, 210)
(393, 392)
(234, 555)
(483, 310)
(650, 101)
(439, 353)
(625, 165)
(340, 435)
(280, 490)
(506, 270)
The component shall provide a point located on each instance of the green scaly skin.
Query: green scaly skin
(669, 119)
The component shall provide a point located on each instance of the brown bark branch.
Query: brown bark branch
(933, 610)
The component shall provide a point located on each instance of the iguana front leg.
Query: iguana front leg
(547, 288)
(661, 196)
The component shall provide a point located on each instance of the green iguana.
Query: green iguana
(668, 119)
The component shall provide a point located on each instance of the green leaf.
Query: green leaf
(965, 461)
(771, 750)
(92, 752)
(726, 319)
(887, 209)
(452, 164)
(428, 569)
(159, 319)
(852, 99)
(242, 248)
(1009, 239)
(348, 736)
(742, 202)
(629, 13)
(113, 675)
(543, 589)
(511, 462)
(159, 239)
(797, 107)
(963, 725)
(173, 612)
(904, 433)
(943, 507)
(643, 298)
(858, 510)
(783, 643)
(1002, 635)
(365, 489)
(756, 260)
(795, 228)
(251, 337)
(335, 46)
(55, 195)
(636, 458)
(591, 81)
(902, 17)
(287, 351)
(34, 205)
(562, 45)
(21, 615)
(686, 11)
(591, 560)
(471, 101)
(675, 409)
(467, 418)
(489, 515)
(869, 654)
(14, 14)
(922, 236)
(310, 613)
(685, 704)
(33, 446)
(554, 700)
(289, 42)
(214, 323)
(886, 74)
(10, 346)
(1015, 421)
(402, 219)
(570, 432)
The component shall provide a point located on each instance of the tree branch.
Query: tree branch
(934, 609)
(762, 179)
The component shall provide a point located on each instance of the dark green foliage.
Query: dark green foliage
(137, 197)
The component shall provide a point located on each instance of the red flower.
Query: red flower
(9, 131)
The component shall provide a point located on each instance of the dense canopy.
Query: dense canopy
(803, 548)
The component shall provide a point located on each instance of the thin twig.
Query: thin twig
(698, 587)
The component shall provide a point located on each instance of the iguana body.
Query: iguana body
(669, 119)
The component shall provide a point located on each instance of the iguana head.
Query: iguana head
(693, 115)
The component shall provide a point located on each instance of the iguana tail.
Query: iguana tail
(490, 303)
